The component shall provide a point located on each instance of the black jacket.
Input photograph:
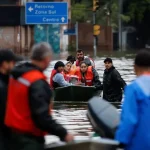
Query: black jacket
(96, 81)
(113, 85)
(4, 131)
(39, 100)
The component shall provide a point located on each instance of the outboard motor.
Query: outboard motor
(103, 116)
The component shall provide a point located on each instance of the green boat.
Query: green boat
(74, 93)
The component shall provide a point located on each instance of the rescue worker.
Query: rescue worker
(88, 76)
(113, 84)
(80, 57)
(72, 60)
(29, 99)
(57, 78)
(133, 132)
(7, 62)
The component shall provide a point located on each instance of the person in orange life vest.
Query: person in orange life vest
(80, 57)
(67, 71)
(29, 100)
(57, 79)
(72, 60)
(69, 75)
(88, 76)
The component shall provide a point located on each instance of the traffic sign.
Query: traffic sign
(70, 32)
(46, 13)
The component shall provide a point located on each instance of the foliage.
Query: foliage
(72, 46)
(136, 9)
(78, 13)
(82, 12)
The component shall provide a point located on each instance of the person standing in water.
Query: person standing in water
(113, 84)
(29, 103)
(133, 132)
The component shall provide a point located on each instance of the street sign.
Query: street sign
(70, 32)
(46, 13)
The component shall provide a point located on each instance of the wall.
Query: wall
(105, 40)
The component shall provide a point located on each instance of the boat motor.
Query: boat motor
(103, 116)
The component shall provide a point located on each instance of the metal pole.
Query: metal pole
(94, 42)
(76, 28)
(120, 25)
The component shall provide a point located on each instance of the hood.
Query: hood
(23, 68)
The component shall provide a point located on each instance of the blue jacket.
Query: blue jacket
(134, 128)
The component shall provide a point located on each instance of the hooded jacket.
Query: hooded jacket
(39, 100)
(134, 128)
(4, 130)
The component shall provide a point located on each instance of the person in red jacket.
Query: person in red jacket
(29, 101)
(88, 76)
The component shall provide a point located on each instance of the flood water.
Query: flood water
(73, 116)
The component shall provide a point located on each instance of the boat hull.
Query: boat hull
(74, 93)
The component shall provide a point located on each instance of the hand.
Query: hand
(69, 138)
(78, 83)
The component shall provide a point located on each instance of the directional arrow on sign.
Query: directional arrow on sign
(30, 9)
(62, 19)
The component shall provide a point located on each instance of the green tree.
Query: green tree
(136, 9)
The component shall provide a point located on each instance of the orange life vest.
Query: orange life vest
(88, 76)
(51, 77)
(18, 113)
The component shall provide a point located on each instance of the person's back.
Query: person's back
(134, 129)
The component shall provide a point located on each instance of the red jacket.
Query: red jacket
(18, 114)
(53, 73)
(88, 76)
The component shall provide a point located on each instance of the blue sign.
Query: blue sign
(70, 31)
(46, 13)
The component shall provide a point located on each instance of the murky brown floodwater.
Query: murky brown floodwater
(73, 116)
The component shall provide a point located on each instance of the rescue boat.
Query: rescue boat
(74, 93)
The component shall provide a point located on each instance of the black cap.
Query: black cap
(59, 64)
(142, 59)
(108, 60)
(8, 55)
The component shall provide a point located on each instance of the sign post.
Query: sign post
(46, 13)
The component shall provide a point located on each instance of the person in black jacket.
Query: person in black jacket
(113, 84)
(39, 101)
(7, 62)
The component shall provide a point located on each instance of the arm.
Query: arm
(129, 116)
(59, 78)
(39, 100)
(117, 78)
(96, 81)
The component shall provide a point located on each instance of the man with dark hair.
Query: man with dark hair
(7, 62)
(133, 132)
(28, 112)
(80, 57)
(113, 84)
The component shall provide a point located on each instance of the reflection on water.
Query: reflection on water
(73, 116)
